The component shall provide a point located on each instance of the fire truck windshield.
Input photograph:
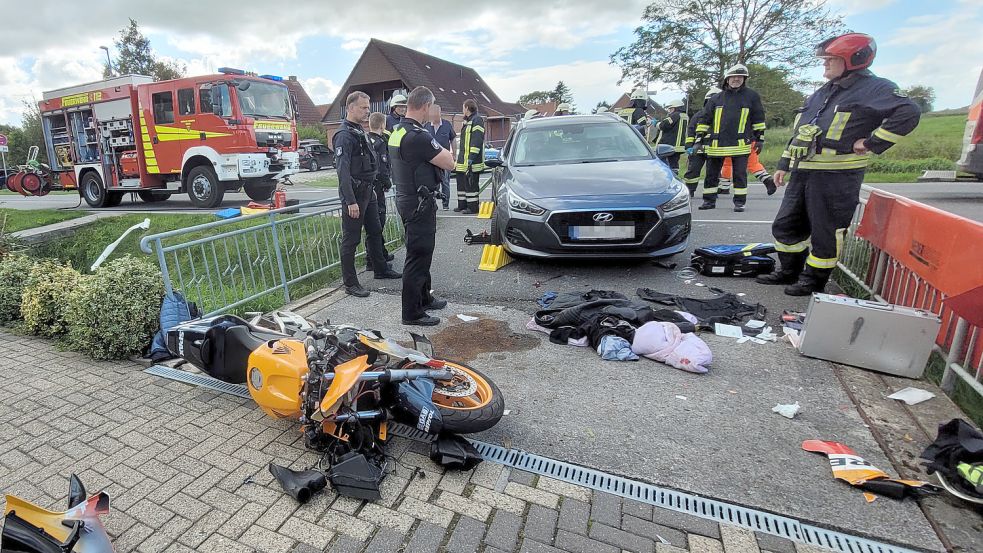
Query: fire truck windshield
(264, 100)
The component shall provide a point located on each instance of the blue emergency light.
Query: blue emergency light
(272, 78)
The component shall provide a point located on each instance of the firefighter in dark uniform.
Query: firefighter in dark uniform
(694, 150)
(732, 123)
(470, 159)
(851, 116)
(417, 160)
(397, 110)
(672, 131)
(383, 182)
(635, 112)
(357, 167)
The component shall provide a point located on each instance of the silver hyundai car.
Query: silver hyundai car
(586, 186)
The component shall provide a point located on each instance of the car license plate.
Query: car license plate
(607, 232)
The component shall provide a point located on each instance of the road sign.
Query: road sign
(3, 140)
(4, 148)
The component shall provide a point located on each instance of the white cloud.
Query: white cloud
(321, 90)
(589, 81)
(852, 7)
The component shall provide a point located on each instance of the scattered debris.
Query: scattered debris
(727, 331)
(787, 410)
(143, 225)
(667, 265)
(684, 398)
(299, 484)
(912, 396)
(853, 469)
(755, 323)
(467, 318)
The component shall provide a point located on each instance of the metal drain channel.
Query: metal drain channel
(201, 380)
(664, 498)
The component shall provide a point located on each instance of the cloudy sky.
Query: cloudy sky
(518, 46)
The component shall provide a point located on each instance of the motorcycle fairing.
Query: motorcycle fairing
(345, 377)
(393, 349)
(276, 375)
(26, 520)
(858, 472)
(414, 401)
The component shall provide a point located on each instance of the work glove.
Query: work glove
(698, 149)
(758, 145)
(689, 151)
(803, 144)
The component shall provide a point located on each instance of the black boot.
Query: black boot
(790, 266)
(301, 484)
(810, 282)
(769, 183)
(708, 204)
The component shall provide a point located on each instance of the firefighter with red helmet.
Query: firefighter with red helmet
(854, 114)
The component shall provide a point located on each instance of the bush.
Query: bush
(14, 270)
(888, 165)
(115, 312)
(44, 299)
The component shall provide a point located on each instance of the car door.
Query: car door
(326, 158)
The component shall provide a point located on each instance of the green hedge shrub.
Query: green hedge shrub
(115, 312)
(14, 271)
(45, 296)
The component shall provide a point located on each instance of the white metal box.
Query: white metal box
(878, 336)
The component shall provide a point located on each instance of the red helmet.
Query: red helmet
(856, 49)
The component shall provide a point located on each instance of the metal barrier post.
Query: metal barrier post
(163, 267)
(955, 349)
(879, 272)
(279, 258)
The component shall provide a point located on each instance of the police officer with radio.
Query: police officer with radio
(418, 162)
(357, 167)
(853, 115)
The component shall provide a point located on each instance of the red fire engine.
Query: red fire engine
(201, 135)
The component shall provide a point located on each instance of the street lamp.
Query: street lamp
(109, 62)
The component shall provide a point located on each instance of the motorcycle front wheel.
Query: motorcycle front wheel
(471, 402)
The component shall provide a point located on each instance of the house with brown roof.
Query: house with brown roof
(545, 109)
(307, 112)
(384, 69)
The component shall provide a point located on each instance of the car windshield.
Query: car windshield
(578, 143)
(264, 100)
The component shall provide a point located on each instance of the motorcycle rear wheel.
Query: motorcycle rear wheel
(470, 403)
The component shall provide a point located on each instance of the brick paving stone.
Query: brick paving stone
(316, 507)
(426, 538)
(178, 548)
(307, 533)
(454, 481)
(386, 540)
(278, 513)
(426, 512)
(174, 527)
(701, 544)
(421, 486)
(689, 523)
(116, 524)
(156, 543)
(304, 548)
(464, 506)
(575, 543)
(203, 528)
(266, 540)
(487, 475)
(532, 495)
(187, 506)
(774, 543)
(499, 500)
(217, 543)
(346, 524)
(149, 514)
(637, 509)
(236, 524)
(347, 505)
(664, 548)
(620, 538)
(466, 536)
(217, 498)
(169, 489)
(803, 548)
(392, 490)
(738, 540)
(565, 489)
(345, 544)
(386, 517)
(204, 482)
(422, 461)
(574, 516)
(132, 538)
(655, 532)
(532, 546)
(522, 477)
(606, 509)
(503, 532)
(541, 524)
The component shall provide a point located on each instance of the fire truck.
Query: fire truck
(200, 135)
(971, 160)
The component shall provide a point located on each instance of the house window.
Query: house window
(186, 101)
(163, 103)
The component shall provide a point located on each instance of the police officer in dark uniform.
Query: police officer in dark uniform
(417, 161)
(357, 167)
(694, 150)
(853, 114)
(383, 181)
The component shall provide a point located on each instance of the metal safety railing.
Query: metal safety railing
(222, 265)
(886, 279)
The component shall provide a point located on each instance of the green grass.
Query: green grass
(13, 220)
(5, 192)
(324, 182)
(962, 395)
(935, 144)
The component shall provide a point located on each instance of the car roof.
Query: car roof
(562, 120)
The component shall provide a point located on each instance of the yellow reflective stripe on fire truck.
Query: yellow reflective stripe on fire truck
(271, 125)
(883, 134)
(148, 147)
(171, 134)
(838, 124)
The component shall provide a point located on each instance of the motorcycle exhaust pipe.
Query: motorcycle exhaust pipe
(300, 484)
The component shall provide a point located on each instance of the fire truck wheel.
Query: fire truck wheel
(259, 191)
(93, 191)
(204, 188)
(151, 198)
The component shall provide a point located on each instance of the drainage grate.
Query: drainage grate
(199, 380)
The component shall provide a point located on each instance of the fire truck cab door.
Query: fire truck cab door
(167, 132)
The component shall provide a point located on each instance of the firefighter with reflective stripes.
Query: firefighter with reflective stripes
(635, 112)
(672, 131)
(731, 125)
(470, 159)
(694, 149)
(397, 110)
(853, 114)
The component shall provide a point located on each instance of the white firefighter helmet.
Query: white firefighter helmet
(601, 109)
(530, 114)
(674, 104)
(639, 94)
(397, 100)
(738, 70)
(712, 92)
(564, 107)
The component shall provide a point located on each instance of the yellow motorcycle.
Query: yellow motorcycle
(28, 528)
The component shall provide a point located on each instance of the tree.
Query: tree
(536, 97)
(922, 95)
(778, 95)
(561, 93)
(691, 44)
(20, 139)
(134, 56)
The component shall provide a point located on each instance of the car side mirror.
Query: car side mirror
(494, 162)
(662, 151)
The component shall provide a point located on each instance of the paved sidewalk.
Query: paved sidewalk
(186, 469)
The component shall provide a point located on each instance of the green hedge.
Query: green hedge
(43, 300)
(14, 272)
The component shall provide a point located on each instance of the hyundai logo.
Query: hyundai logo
(603, 217)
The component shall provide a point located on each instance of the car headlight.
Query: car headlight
(523, 206)
(679, 201)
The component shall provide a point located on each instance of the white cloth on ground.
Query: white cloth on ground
(664, 342)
